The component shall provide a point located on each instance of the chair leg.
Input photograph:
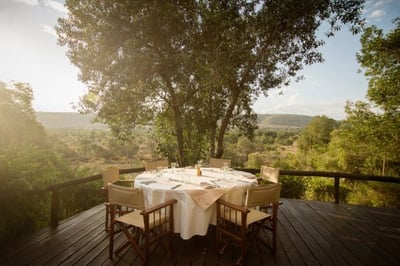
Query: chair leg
(244, 246)
(111, 244)
(274, 228)
(217, 239)
(107, 218)
(131, 242)
(274, 235)
(169, 241)
(146, 249)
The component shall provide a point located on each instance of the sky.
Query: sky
(29, 53)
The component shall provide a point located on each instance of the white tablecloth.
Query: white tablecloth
(196, 195)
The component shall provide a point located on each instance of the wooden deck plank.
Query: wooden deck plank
(69, 243)
(312, 237)
(381, 233)
(340, 252)
(28, 242)
(286, 251)
(358, 235)
(26, 252)
(292, 226)
(309, 232)
(344, 228)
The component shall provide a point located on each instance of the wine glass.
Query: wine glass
(225, 167)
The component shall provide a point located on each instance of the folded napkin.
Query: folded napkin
(206, 197)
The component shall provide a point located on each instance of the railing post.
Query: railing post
(337, 185)
(55, 203)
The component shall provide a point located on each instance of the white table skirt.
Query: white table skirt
(195, 209)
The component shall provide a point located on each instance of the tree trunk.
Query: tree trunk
(175, 105)
(179, 130)
(225, 123)
(179, 138)
(213, 130)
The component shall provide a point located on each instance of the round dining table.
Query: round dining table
(195, 194)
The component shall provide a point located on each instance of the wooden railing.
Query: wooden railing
(55, 189)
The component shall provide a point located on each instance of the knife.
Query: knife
(176, 186)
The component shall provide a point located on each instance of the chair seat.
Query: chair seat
(252, 217)
(142, 227)
(136, 219)
(244, 223)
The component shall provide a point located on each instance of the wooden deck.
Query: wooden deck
(310, 233)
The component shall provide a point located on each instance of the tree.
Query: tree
(27, 162)
(17, 118)
(380, 57)
(196, 66)
(317, 134)
(370, 136)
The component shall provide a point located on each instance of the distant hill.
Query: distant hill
(71, 120)
(281, 121)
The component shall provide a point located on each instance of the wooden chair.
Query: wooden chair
(142, 227)
(243, 224)
(269, 174)
(110, 176)
(152, 165)
(218, 163)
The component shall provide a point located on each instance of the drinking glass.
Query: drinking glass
(173, 166)
(225, 167)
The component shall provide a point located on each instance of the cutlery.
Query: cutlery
(215, 183)
(149, 182)
(176, 186)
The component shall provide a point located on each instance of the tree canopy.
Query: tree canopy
(193, 68)
(27, 162)
(317, 134)
(17, 118)
(369, 139)
(380, 58)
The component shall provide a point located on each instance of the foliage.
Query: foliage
(22, 170)
(369, 140)
(255, 160)
(322, 189)
(375, 194)
(197, 65)
(27, 163)
(380, 57)
(17, 117)
(293, 187)
(81, 197)
(316, 135)
(20, 216)
(89, 147)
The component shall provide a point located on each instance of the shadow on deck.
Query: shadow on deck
(316, 233)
